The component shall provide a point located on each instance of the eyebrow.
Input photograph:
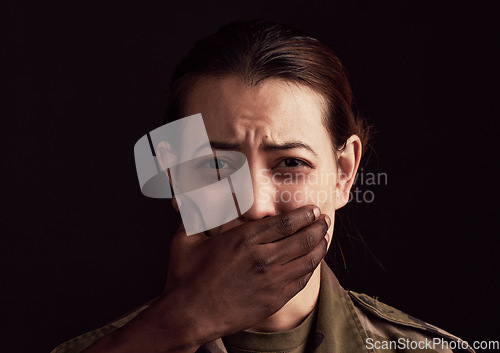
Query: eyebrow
(266, 147)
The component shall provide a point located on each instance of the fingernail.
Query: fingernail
(327, 237)
(328, 220)
(317, 212)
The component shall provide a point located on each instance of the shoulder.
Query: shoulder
(384, 323)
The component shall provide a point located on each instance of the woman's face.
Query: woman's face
(278, 126)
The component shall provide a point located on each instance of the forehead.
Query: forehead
(274, 110)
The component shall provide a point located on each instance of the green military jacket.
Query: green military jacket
(347, 322)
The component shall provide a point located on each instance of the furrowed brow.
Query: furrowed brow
(288, 146)
(219, 145)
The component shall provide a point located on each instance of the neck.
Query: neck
(295, 310)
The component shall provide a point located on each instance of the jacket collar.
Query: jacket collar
(338, 328)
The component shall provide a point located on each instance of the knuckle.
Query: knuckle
(261, 265)
(286, 223)
(248, 240)
(245, 242)
(301, 283)
(308, 242)
(309, 216)
(321, 226)
(311, 263)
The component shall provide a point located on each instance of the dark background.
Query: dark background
(80, 245)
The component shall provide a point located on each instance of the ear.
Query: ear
(167, 158)
(347, 166)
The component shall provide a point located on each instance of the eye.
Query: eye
(214, 163)
(292, 163)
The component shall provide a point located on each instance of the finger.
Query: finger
(301, 266)
(280, 226)
(301, 243)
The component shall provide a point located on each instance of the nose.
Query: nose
(263, 191)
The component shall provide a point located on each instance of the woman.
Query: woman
(258, 283)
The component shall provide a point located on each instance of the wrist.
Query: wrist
(188, 316)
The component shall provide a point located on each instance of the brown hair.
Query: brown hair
(260, 49)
